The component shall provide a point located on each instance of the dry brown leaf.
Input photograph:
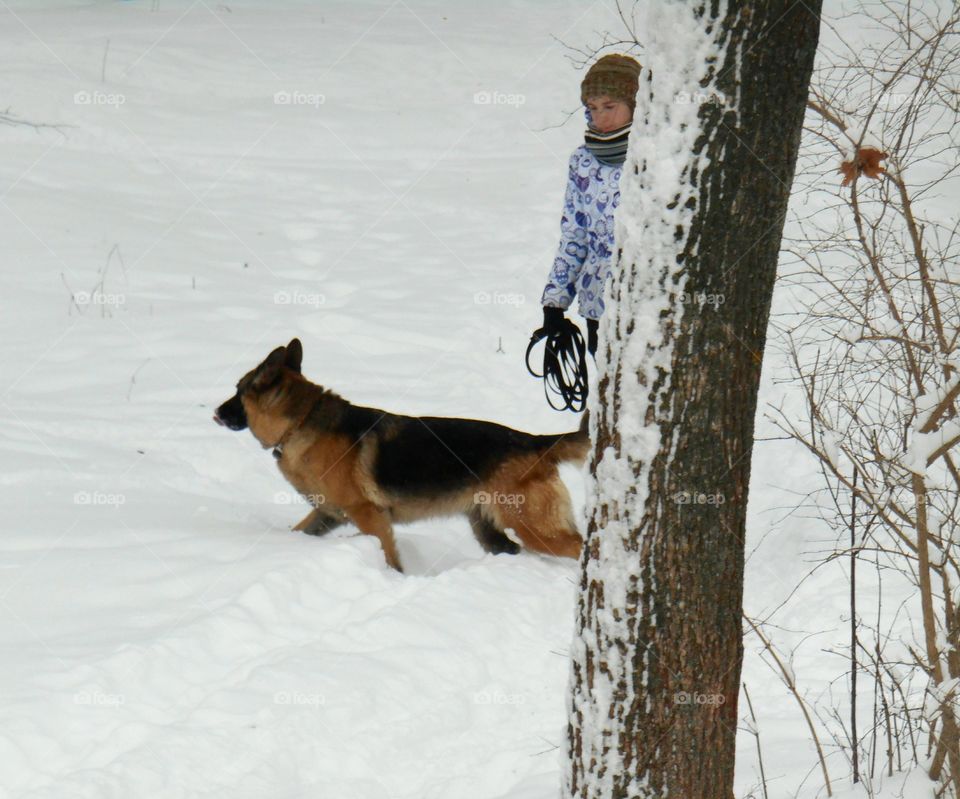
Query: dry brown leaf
(866, 163)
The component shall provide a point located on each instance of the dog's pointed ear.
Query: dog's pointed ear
(276, 358)
(294, 356)
(267, 371)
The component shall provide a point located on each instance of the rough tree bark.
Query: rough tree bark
(658, 644)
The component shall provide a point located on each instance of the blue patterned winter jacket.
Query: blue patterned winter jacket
(585, 256)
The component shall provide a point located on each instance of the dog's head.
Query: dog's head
(260, 389)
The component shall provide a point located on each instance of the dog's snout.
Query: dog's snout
(231, 414)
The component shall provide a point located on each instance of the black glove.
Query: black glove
(564, 364)
(592, 335)
(552, 320)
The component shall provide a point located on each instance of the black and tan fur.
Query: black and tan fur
(373, 468)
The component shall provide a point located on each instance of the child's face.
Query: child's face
(608, 114)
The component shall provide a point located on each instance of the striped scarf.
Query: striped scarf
(608, 148)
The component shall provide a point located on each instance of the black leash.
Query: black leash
(564, 366)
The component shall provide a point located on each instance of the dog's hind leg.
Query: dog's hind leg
(375, 521)
(489, 536)
(319, 522)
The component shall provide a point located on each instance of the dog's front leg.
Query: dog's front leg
(375, 521)
(318, 522)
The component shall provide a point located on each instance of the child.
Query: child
(583, 261)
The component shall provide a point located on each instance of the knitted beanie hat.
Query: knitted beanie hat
(615, 76)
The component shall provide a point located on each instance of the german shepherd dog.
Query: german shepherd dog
(373, 468)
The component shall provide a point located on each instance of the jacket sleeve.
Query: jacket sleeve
(562, 283)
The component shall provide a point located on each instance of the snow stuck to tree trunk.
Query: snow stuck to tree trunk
(637, 335)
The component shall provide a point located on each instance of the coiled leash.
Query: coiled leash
(564, 365)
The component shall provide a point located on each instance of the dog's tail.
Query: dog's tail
(573, 446)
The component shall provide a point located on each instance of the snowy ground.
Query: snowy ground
(228, 175)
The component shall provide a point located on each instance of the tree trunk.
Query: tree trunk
(658, 645)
